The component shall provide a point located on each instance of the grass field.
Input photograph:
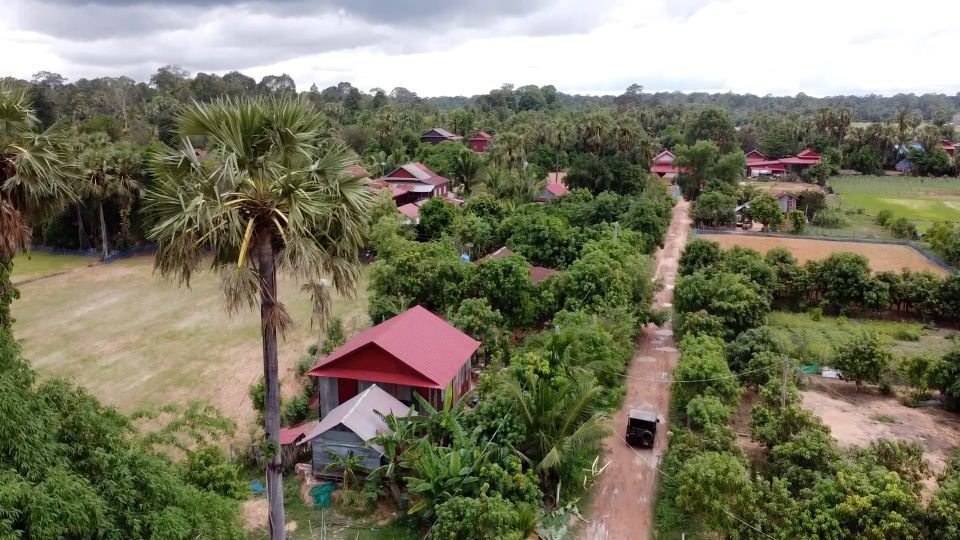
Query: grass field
(814, 341)
(923, 200)
(136, 341)
(882, 256)
(35, 264)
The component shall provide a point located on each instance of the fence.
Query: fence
(919, 248)
(114, 256)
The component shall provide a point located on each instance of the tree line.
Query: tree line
(804, 486)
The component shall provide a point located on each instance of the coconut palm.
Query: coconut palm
(269, 195)
(468, 167)
(561, 423)
(35, 175)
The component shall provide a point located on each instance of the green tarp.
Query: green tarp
(321, 494)
(810, 369)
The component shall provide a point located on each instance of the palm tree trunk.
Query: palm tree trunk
(274, 464)
(105, 245)
(80, 231)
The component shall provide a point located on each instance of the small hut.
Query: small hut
(349, 427)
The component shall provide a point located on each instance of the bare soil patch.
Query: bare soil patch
(882, 257)
(859, 418)
(780, 187)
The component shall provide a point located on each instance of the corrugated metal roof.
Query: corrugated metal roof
(540, 273)
(419, 339)
(292, 434)
(359, 415)
(557, 189)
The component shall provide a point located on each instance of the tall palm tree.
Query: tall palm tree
(107, 172)
(271, 195)
(35, 175)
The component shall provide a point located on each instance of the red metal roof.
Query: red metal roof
(557, 189)
(665, 156)
(357, 170)
(498, 254)
(442, 133)
(808, 154)
(417, 172)
(292, 434)
(773, 165)
(540, 273)
(799, 161)
(426, 344)
(755, 155)
(410, 210)
(480, 135)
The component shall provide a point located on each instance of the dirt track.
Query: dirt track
(626, 492)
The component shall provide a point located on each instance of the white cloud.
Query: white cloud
(819, 47)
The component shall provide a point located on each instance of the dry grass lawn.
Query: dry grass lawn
(136, 341)
(882, 256)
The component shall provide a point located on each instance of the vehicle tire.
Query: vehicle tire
(646, 438)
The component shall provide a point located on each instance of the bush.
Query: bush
(295, 410)
(209, 469)
(304, 364)
(907, 334)
(335, 336)
(798, 221)
(903, 228)
(884, 217)
(829, 219)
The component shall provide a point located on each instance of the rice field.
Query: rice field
(923, 200)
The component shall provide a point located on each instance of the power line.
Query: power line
(684, 381)
(664, 473)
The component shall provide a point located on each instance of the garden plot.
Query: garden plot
(882, 257)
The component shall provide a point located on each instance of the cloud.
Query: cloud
(438, 47)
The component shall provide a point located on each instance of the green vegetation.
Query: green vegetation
(36, 264)
(895, 186)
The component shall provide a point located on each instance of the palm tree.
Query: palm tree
(268, 196)
(561, 422)
(468, 167)
(527, 185)
(395, 441)
(107, 172)
(35, 176)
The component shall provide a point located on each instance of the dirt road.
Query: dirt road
(625, 493)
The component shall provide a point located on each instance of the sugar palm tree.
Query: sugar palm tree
(107, 172)
(35, 175)
(468, 166)
(269, 195)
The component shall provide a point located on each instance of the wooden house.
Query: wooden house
(349, 428)
(414, 352)
(414, 182)
(788, 201)
(438, 135)
(758, 165)
(802, 161)
(478, 141)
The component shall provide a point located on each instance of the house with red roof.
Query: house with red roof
(805, 159)
(537, 273)
(551, 191)
(759, 165)
(414, 182)
(413, 352)
(438, 135)
(663, 165)
(478, 141)
(948, 146)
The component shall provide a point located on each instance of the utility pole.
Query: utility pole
(783, 384)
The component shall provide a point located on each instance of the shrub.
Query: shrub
(903, 228)
(829, 219)
(884, 217)
(295, 409)
(798, 221)
(907, 334)
(209, 468)
(304, 364)
(816, 314)
(335, 336)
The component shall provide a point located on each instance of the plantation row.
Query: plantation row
(802, 485)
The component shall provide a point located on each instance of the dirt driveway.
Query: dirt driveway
(625, 494)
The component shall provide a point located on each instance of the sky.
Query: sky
(444, 47)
